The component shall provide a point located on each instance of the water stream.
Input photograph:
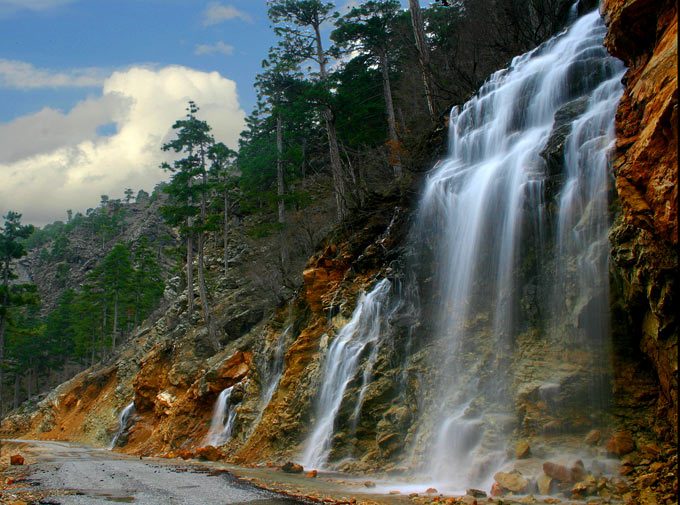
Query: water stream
(124, 419)
(223, 419)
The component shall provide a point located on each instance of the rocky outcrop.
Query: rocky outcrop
(643, 33)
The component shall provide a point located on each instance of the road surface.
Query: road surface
(102, 477)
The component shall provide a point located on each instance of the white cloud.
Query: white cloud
(22, 75)
(219, 47)
(58, 161)
(8, 7)
(216, 13)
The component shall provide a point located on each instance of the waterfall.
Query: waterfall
(343, 359)
(520, 247)
(223, 419)
(124, 418)
(274, 368)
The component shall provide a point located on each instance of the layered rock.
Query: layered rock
(643, 33)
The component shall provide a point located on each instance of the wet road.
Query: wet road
(103, 477)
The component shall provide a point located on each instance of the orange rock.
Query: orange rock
(496, 489)
(431, 490)
(557, 471)
(16, 459)
(395, 492)
(291, 467)
(621, 443)
(210, 453)
(312, 474)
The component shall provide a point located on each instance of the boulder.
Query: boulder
(291, 467)
(621, 443)
(512, 482)
(522, 449)
(577, 470)
(557, 471)
(209, 453)
(477, 493)
(312, 474)
(16, 459)
(593, 437)
(544, 484)
(496, 489)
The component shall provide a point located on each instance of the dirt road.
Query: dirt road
(98, 476)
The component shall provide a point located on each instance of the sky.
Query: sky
(89, 90)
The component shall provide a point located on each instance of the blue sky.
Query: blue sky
(89, 90)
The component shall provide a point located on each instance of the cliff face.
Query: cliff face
(643, 33)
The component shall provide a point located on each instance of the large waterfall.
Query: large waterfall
(519, 212)
(515, 221)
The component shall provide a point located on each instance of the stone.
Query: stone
(369, 483)
(593, 437)
(431, 490)
(544, 484)
(557, 471)
(312, 474)
(651, 449)
(512, 482)
(291, 467)
(522, 449)
(209, 453)
(477, 493)
(496, 490)
(577, 470)
(16, 459)
(621, 443)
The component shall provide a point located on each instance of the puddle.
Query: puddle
(112, 495)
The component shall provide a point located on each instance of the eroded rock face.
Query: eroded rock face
(643, 33)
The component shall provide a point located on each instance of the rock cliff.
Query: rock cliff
(644, 238)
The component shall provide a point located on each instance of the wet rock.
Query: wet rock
(577, 470)
(621, 443)
(557, 471)
(593, 437)
(512, 482)
(16, 459)
(522, 449)
(496, 490)
(431, 490)
(291, 467)
(312, 474)
(651, 449)
(369, 483)
(545, 484)
(210, 453)
(477, 493)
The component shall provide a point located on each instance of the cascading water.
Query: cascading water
(521, 245)
(223, 419)
(274, 368)
(342, 363)
(124, 419)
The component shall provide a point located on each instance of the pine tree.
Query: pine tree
(189, 188)
(12, 296)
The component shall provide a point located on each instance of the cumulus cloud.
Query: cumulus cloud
(216, 13)
(8, 7)
(58, 161)
(22, 75)
(219, 47)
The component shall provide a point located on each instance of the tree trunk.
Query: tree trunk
(201, 277)
(226, 229)
(423, 55)
(395, 156)
(15, 401)
(279, 167)
(115, 321)
(329, 116)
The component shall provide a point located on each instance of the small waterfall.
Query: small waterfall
(341, 365)
(223, 419)
(274, 368)
(518, 212)
(124, 419)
